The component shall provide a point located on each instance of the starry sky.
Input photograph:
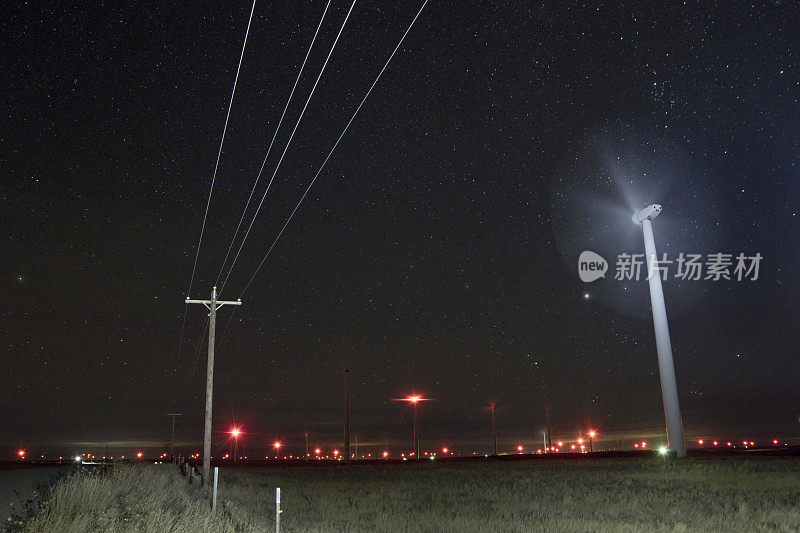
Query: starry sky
(437, 251)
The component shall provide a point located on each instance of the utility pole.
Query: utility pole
(416, 435)
(172, 440)
(212, 305)
(414, 401)
(494, 431)
(548, 445)
(306, 446)
(347, 415)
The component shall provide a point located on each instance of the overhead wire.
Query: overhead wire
(319, 170)
(333, 148)
(180, 343)
(200, 343)
(211, 190)
(227, 324)
(289, 142)
(178, 357)
(219, 152)
(269, 149)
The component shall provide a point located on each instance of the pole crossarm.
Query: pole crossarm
(219, 303)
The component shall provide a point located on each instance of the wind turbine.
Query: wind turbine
(666, 367)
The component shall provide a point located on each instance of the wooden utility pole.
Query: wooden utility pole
(212, 305)
(172, 440)
(347, 415)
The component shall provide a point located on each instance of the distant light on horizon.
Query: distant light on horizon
(413, 398)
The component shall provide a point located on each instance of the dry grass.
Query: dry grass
(707, 494)
(152, 498)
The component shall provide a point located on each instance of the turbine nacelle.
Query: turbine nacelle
(648, 213)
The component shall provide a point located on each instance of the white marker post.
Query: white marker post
(666, 366)
(214, 492)
(278, 510)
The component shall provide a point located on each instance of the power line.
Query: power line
(219, 152)
(334, 146)
(274, 135)
(178, 357)
(196, 357)
(211, 190)
(180, 343)
(244, 239)
(227, 325)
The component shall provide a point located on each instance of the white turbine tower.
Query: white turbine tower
(666, 367)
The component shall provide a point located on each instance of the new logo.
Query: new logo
(591, 266)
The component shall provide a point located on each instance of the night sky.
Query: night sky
(437, 251)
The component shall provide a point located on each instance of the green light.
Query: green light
(663, 450)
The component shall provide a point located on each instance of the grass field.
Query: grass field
(645, 494)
